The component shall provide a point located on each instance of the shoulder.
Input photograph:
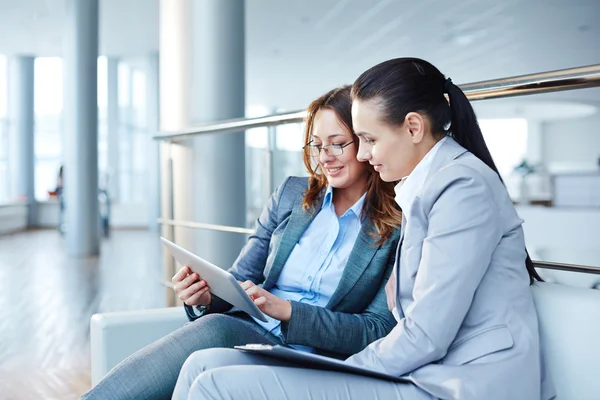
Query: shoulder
(292, 187)
(289, 194)
(461, 181)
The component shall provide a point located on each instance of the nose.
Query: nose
(324, 157)
(363, 154)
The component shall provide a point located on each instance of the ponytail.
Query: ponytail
(466, 131)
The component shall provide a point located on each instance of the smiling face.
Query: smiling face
(343, 171)
(394, 151)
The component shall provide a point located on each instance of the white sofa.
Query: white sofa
(569, 321)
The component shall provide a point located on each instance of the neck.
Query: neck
(344, 198)
(428, 142)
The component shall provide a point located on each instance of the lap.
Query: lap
(233, 374)
(247, 382)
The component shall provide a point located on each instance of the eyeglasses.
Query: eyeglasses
(333, 150)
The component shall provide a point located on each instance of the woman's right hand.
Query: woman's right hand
(190, 288)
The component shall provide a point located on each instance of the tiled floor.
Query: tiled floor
(47, 299)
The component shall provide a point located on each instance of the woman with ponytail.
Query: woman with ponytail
(466, 325)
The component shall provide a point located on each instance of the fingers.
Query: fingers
(182, 273)
(202, 297)
(186, 293)
(260, 301)
(247, 284)
(255, 291)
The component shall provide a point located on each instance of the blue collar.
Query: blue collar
(356, 208)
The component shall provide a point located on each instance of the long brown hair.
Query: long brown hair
(379, 205)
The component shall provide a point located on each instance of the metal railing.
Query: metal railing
(545, 82)
(586, 269)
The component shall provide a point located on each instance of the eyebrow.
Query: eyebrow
(328, 137)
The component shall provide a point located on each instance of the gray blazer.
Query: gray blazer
(468, 328)
(357, 312)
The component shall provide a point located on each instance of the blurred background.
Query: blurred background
(85, 85)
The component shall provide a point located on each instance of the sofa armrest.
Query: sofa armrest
(115, 336)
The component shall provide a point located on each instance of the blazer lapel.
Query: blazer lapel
(361, 255)
(298, 223)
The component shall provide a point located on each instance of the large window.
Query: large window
(48, 106)
(134, 137)
(4, 196)
(507, 141)
(286, 142)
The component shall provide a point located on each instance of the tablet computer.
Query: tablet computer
(315, 361)
(221, 282)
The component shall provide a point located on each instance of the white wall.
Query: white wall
(13, 218)
(563, 235)
(572, 143)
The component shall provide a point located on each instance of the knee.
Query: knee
(203, 360)
(206, 385)
(218, 330)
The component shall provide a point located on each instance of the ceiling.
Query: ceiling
(298, 49)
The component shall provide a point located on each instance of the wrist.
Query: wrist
(204, 308)
(287, 311)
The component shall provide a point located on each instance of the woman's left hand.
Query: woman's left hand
(268, 303)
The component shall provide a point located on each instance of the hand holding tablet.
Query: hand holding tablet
(220, 282)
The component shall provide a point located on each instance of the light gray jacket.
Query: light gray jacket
(468, 328)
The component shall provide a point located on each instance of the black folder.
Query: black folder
(315, 361)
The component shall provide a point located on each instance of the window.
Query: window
(134, 137)
(48, 106)
(507, 141)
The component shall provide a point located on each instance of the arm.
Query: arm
(339, 332)
(462, 233)
(251, 262)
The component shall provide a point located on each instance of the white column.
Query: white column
(112, 124)
(202, 68)
(535, 142)
(21, 123)
(219, 94)
(81, 127)
(174, 87)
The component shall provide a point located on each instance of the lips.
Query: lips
(377, 167)
(333, 170)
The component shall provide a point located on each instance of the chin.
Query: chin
(385, 177)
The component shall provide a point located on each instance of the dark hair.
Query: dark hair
(404, 85)
(379, 205)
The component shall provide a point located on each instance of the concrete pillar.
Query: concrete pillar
(219, 94)
(175, 94)
(112, 124)
(535, 142)
(81, 127)
(21, 123)
(202, 68)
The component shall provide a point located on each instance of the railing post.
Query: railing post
(168, 231)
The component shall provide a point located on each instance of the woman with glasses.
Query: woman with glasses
(316, 265)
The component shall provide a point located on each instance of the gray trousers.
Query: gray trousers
(232, 374)
(151, 372)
